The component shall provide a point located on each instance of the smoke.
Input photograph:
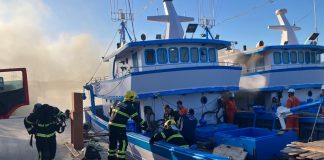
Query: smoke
(56, 66)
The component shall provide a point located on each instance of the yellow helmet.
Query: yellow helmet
(130, 95)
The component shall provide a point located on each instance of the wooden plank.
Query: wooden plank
(306, 154)
(314, 155)
(72, 150)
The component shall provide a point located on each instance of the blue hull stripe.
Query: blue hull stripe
(160, 148)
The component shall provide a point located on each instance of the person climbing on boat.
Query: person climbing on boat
(292, 121)
(170, 134)
(117, 125)
(43, 122)
(188, 124)
(169, 114)
(230, 109)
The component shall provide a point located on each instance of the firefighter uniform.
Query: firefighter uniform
(117, 126)
(170, 135)
(43, 124)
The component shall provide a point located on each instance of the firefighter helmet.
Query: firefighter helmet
(130, 95)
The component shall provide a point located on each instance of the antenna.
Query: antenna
(122, 12)
(206, 19)
(315, 15)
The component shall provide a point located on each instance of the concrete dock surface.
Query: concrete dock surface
(14, 142)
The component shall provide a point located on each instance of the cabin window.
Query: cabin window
(203, 54)
(194, 55)
(318, 58)
(162, 55)
(174, 55)
(212, 54)
(285, 57)
(150, 56)
(277, 58)
(184, 54)
(293, 57)
(307, 57)
(313, 57)
(301, 57)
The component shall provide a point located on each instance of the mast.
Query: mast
(174, 29)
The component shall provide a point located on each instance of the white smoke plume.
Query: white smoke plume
(56, 66)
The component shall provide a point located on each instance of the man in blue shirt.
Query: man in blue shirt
(188, 124)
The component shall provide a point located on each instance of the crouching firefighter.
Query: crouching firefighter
(170, 134)
(42, 123)
(117, 125)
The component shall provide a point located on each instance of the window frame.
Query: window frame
(191, 53)
(296, 57)
(274, 57)
(169, 54)
(309, 57)
(166, 55)
(200, 54)
(313, 57)
(215, 54)
(146, 53)
(283, 60)
(181, 60)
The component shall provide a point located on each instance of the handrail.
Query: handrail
(246, 70)
(162, 66)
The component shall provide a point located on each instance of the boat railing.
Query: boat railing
(130, 70)
(246, 70)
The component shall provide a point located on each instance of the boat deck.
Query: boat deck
(14, 141)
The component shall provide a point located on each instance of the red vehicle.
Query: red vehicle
(13, 90)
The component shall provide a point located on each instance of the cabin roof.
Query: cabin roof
(127, 48)
(284, 47)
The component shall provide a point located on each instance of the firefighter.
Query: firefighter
(292, 120)
(170, 134)
(117, 125)
(43, 122)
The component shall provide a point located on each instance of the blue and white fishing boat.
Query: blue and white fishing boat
(269, 71)
(173, 68)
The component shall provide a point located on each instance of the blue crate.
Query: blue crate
(206, 132)
(260, 143)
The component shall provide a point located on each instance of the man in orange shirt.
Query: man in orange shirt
(230, 109)
(292, 121)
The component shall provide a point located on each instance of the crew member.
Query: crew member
(188, 126)
(117, 125)
(169, 114)
(322, 96)
(43, 122)
(230, 109)
(182, 110)
(170, 135)
(292, 120)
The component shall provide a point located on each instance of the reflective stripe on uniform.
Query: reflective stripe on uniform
(133, 115)
(121, 156)
(29, 129)
(117, 125)
(45, 135)
(163, 135)
(174, 136)
(124, 147)
(29, 122)
(142, 122)
(112, 152)
(185, 146)
(45, 125)
(60, 113)
(120, 112)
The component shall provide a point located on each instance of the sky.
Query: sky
(61, 42)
